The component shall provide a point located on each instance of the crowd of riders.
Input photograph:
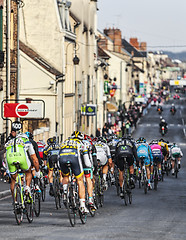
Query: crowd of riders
(86, 155)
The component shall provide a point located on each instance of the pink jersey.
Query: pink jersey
(156, 148)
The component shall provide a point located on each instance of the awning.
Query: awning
(111, 107)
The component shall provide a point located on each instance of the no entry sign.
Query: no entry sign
(23, 110)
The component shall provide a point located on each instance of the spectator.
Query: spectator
(98, 132)
(104, 130)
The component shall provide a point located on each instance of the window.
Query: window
(64, 14)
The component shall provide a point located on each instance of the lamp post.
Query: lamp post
(76, 61)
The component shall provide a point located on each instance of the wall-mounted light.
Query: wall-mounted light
(76, 60)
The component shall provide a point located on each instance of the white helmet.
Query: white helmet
(163, 120)
(172, 104)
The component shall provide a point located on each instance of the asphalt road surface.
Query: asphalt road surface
(157, 215)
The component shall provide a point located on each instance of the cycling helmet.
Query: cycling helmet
(161, 140)
(78, 135)
(51, 140)
(141, 140)
(29, 135)
(102, 139)
(154, 142)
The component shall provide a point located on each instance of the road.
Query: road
(157, 215)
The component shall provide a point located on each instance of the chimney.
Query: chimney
(115, 36)
(143, 46)
(134, 42)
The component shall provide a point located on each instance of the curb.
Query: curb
(5, 194)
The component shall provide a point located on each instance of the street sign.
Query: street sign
(23, 110)
(88, 110)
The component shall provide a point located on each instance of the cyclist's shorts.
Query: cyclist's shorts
(19, 156)
(120, 160)
(157, 158)
(70, 155)
(51, 160)
(146, 159)
(174, 156)
(164, 151)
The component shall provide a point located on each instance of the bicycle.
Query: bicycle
(176, 165)
(36, 196)
(42, 183)
(155, 173)
(143, 176)
(72, 202)
(23, 203)
(98, 187)
(126, 188)
(56, 186)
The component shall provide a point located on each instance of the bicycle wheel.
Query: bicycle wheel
(43, 189)
(57, 194)
(176, 169)
(117, 181)
(130, 195)
(96, 193)
(125, 193)
(29, 206)
(37, 203)
(83, 217)
(71, 206)
(139, 179)
(155, 180)
(17, 202)
(101, 195)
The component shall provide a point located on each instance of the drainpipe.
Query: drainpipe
(7, 57)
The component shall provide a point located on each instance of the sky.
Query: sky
(160, 23)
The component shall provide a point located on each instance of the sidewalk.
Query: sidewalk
(4, 189)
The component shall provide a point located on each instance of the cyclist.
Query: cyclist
(175, 151)
(31, 139)
(19, 142)
(164, 149)
(71, 150)
(157, 156)
(126, 148)
(144, 150)
(159, 109)
(163, 124)
(51, 153)
(112, 142)
(173, 109)
(89, 162)
(104, 156)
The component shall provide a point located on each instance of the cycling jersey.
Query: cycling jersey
(18, 149)
(144, 150)
(71, 150)
(164, 148)
(51, 154)
(125, 149)
(156, 152)
(175, 151)
(103, 152)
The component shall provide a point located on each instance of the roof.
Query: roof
(37, 58)
(129, 48)
(102, 53)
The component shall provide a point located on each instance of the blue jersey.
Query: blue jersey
(144, 150)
